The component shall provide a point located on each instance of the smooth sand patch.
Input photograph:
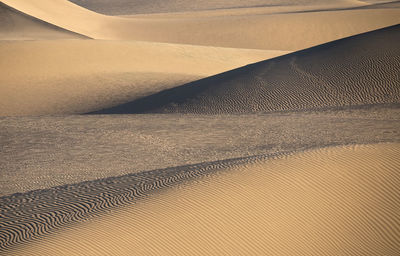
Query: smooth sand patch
(77, 76)
(287, 31)
(333, 201)
(19, 26)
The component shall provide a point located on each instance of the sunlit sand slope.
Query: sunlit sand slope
(77, 76)
(354, 71)
(334, 201)
(245, 29)
(18, 26)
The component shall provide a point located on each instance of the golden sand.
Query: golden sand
(334, 201)
(279, 31)
(77, 76)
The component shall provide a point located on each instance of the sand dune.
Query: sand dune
(18, 26)
(295, 154)
(355, 71)
(123, 7)
(290, 31)
(335, 201)
(383, 4)
(77, 76)
(49, 151)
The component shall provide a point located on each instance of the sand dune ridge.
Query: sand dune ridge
(355, 71)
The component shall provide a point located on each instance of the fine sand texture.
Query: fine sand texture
(43, 152)
(119, 7)
(355, 71)
(279, 31)
(197, 127)
(16, 25)
(332, 201)
(77, 76)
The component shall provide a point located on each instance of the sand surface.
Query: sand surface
(77, 76)
(354, 71)
(193, 127)
(334, 201)
(50, 151)
(16, 25)
(119, 7)
(284, 31)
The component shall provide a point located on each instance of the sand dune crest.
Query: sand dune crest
(329, 201)
(355, 71)
(74, 76)
(19, 26)
(285, 31)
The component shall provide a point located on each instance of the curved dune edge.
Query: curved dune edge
(57, 153)
(292, 31)
(350, 72)
(16, 25)
(332, 201)
(78, 76)
(126, 7)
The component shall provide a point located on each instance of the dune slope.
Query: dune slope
(123, 7)
(57, 149)
(77, 76)
(245, 29)
(19, 26)
(355, 71)
(334, 201)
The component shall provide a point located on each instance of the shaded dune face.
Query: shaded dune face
(16, 25)
(334, 201)
(250, 29)
(77, 76)
(355, 71)
(121, 7)
(27, 216)
(297, 154)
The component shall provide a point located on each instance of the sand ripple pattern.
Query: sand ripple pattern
(356, 71)
(328, 201)
(31, 215)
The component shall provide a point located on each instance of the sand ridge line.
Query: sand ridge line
(326, 201)
(16, 25)
(325, 76)
(77, 76)
(271, 32)
(120, 144)
(31, 215)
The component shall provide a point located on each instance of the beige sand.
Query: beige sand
(287, 31)
(351, 72)
(50, 151)
(118, 7)
(331, 201)
(18, 26)
(335, 201)
(76, 76)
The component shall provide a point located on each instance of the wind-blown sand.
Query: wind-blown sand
(332, 201)
(77, 76)
(19, 26)
(355, 71)
(119, 7)
(51, 151)
(244, 129)
(290, 31)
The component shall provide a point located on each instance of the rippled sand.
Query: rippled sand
(194, 127)
(354, 71)
(332, 201)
